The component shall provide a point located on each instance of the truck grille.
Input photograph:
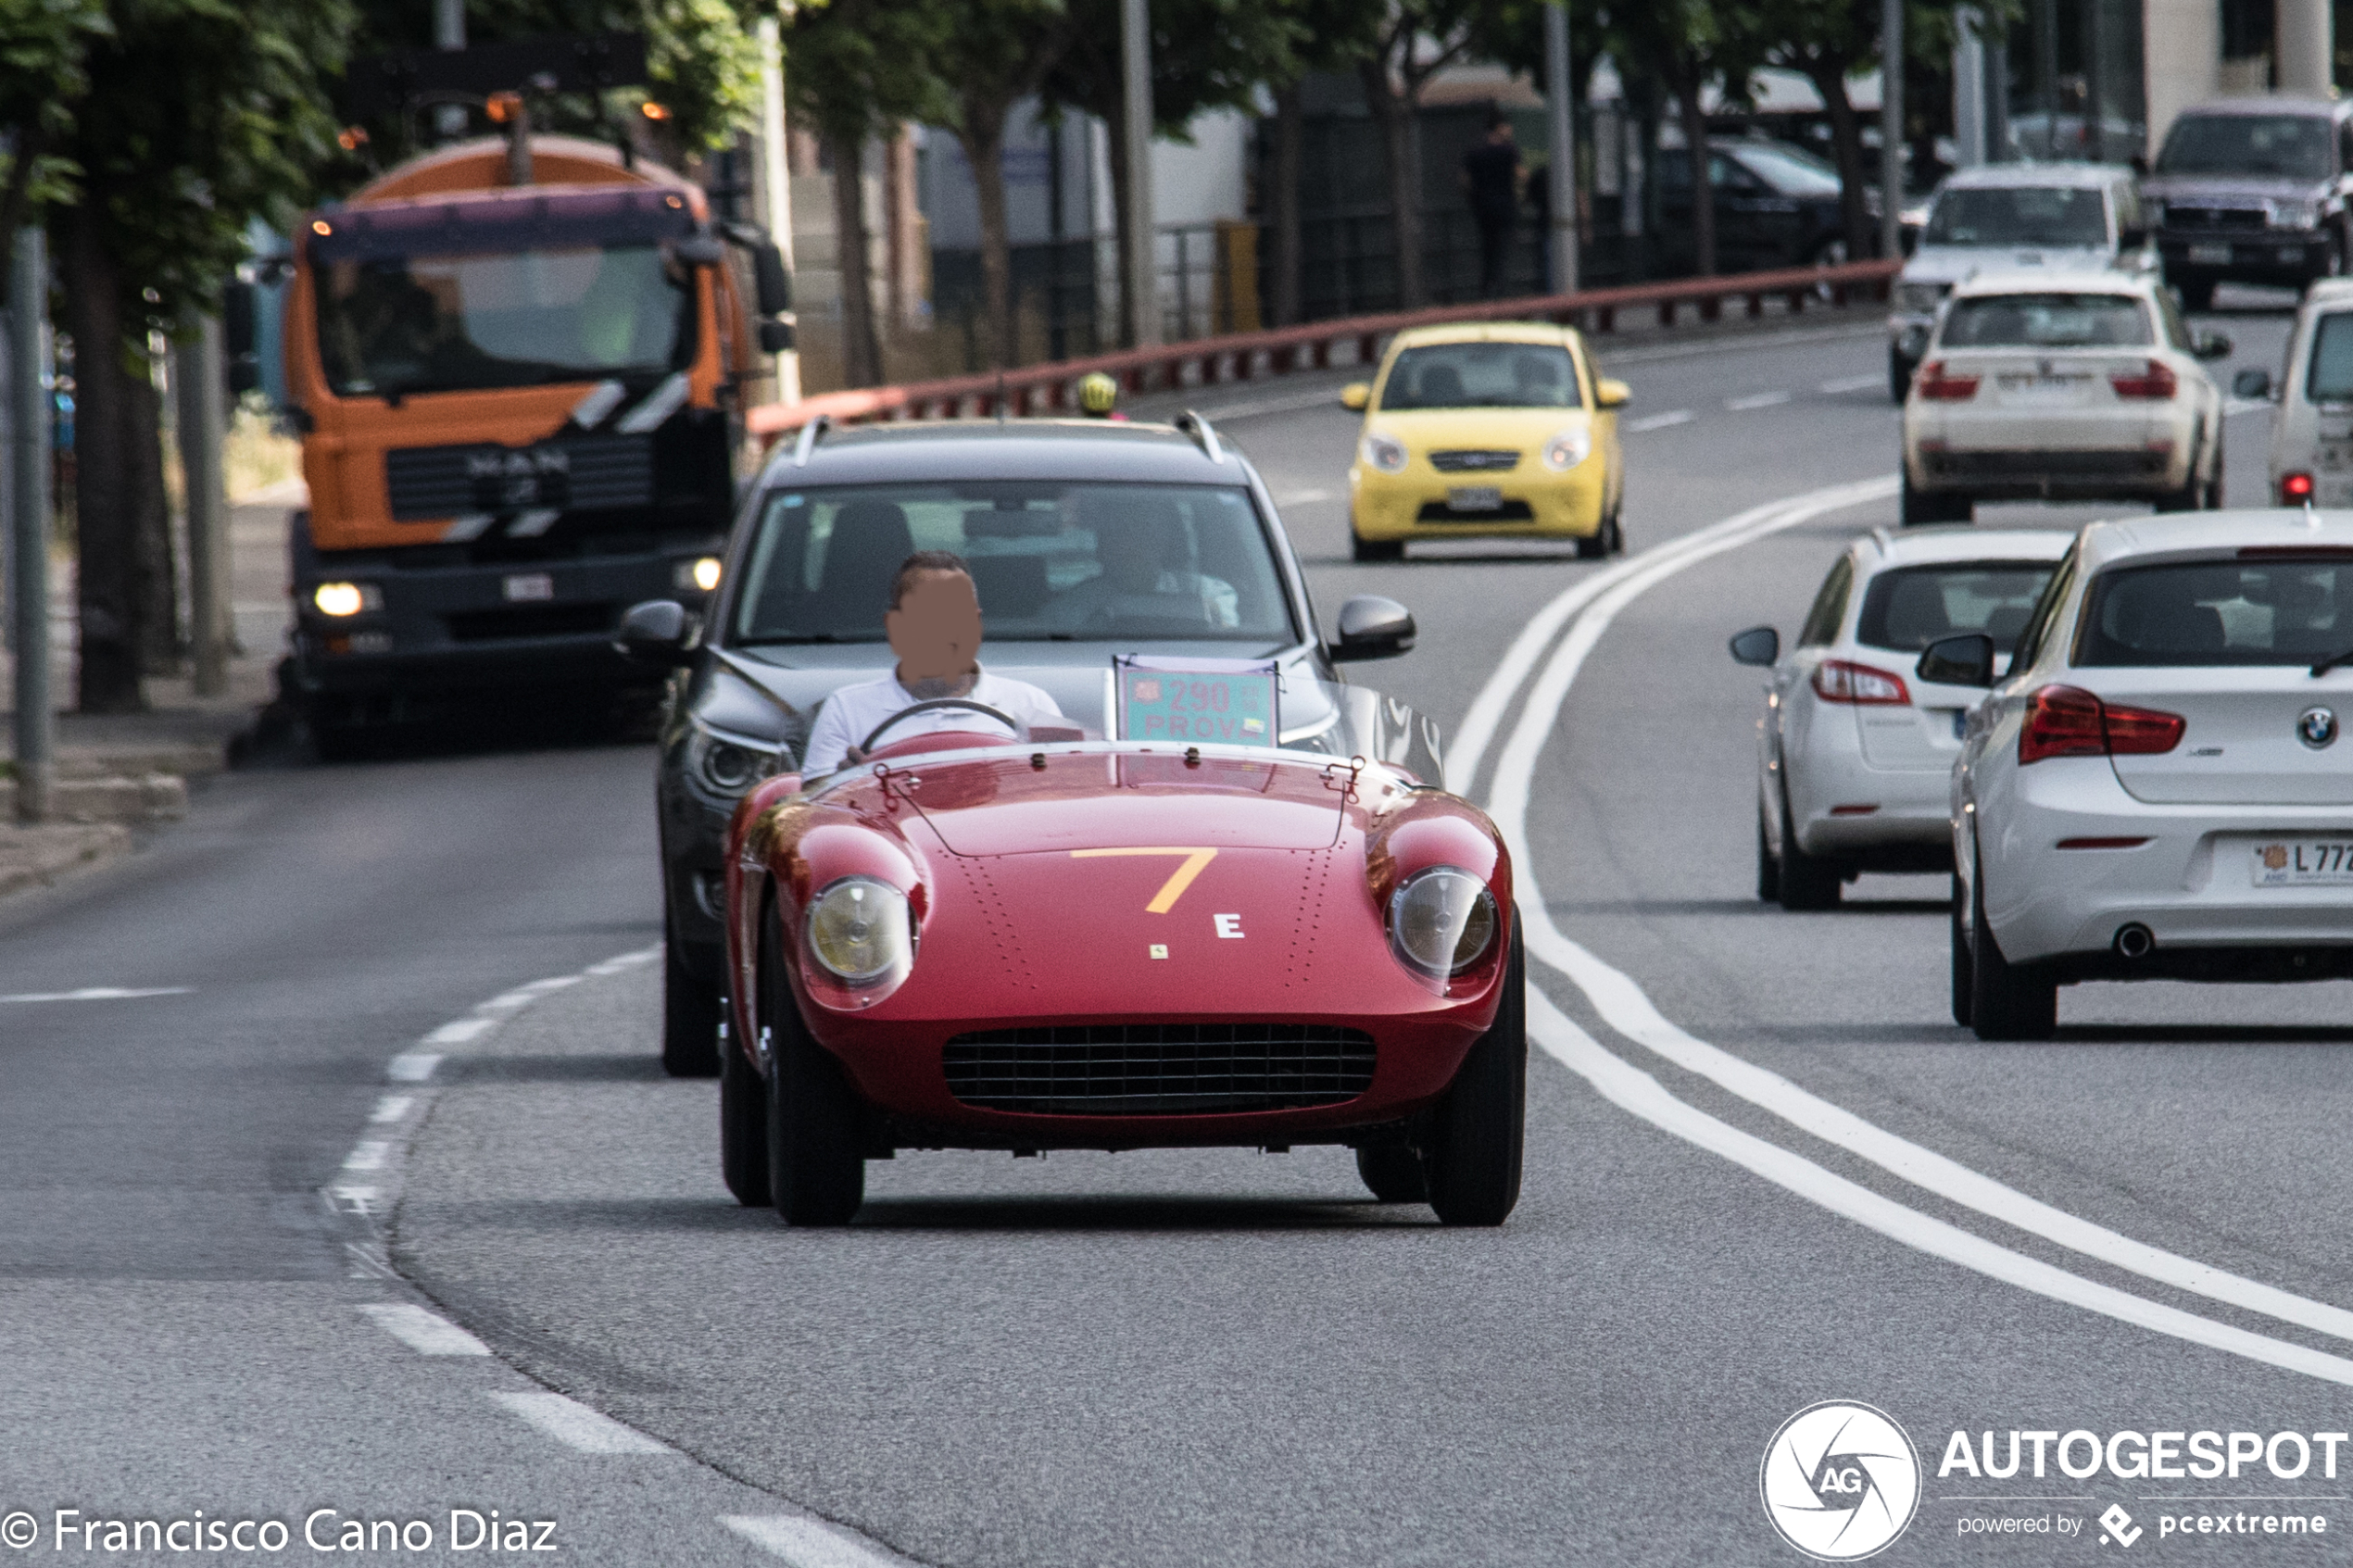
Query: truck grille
(2211, 220)
(509, 622)
(587, 473)
(1159, 1069)
(1474, 462)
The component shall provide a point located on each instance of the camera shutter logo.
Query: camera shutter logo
(1840, 1481)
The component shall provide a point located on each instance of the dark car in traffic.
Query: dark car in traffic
(1038, 508)
(1776, 205)
(2252, 190)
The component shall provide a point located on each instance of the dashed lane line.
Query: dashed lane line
(575, 1425)
(412, 1067)
(1842, 384)
(428, 1334)
(807, 1543)
(1756, 400)
(101, 993)
(1660, 421)
(391, 1108)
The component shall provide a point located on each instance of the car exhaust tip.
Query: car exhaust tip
(2133, 941)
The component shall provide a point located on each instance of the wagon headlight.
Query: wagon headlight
(1568, 448)
(861, 930)
(1442, 920)
(728, 765)
(1385, 453)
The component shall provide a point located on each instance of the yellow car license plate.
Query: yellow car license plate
(1475, 498)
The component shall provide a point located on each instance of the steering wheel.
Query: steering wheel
(931, 704)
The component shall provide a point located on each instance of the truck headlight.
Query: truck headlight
(1568, 448)
(699, 575)
(861, 930)
(727, 765)
(1385, 453)
(1442, 920)
(2292, 214)
(341, 599)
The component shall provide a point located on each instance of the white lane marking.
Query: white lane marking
(354, 1198)
(1633, 1090)
(368, 1154)
(2231, 406)
(573, 1424)
(1629, 1010)
(1756, 400)
(1854, 384)
(426, 1333)
(625, 960)
(412, 1067)
(805, 1543)
(1303, 499)
(100, 994)
(523, 996)
(391, 1108)
(1659, 421)
(458, 1031)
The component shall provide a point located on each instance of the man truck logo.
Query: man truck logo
(1840, 1481)
(2316, 727)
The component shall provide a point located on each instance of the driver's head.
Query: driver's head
(934, 621)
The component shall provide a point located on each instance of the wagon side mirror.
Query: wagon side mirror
(1356, 396)
(1758, 645)
(2253, 382)
(655, 632)
(1963, 661)
(1372, 627)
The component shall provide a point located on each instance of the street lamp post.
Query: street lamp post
(1561, 176)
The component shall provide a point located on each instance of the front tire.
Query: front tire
(1393, 1173)
(2008, 1001)
(1768, 870)
(1595, 546)
(1473, 1162)
(1962, 981)
(690, 1010)
(1899, 376)
(743, 1128)
(1364, 549)
(816, 1172)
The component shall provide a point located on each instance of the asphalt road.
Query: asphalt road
(1171, 1359)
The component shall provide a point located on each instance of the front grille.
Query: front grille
(2213, 219)
(2055, 465)
(509, 622)
(589, 473)
(1159, 1069)
(1474, 462)
(1510, 511)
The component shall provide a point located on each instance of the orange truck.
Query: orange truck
(520, 382)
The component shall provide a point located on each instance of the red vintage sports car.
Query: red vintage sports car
(1087, 944)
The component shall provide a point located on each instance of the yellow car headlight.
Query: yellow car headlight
(1568, 448)
(1384, 451)
(861, 930)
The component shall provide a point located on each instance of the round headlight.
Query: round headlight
(1385, 453)
(729, 767)
(1568, 449)
(861, 930)
(1442, 920)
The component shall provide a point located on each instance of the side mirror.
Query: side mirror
(1372, 627)
(655, 632)
(772, 286)
(1965, 661)
(1758, 645)
(1612, 393)
(775, 338)
(2210, 345)
(697, 250)
(1356, 396)
(2252, 383)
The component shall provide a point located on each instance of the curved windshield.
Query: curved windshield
(1906, 610)
(2028, 215)
(2047, 320)
(2293, 146)
(390, 325)
(1052, 562)
(1482, 375)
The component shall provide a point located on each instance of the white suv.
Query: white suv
(1855, 754)
(2312, 428)
(2153, 791)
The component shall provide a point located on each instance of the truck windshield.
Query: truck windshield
(1052, 562)
(390, 325)
(2025, 215)
(2293, 146)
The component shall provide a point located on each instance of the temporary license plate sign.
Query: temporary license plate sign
(1475, 498)
(2211, 255)
(2303, 862)
(1221, 701)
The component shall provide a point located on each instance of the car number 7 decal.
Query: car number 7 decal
(1178, 880)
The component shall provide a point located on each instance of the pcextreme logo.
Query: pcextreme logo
(1840, 1480)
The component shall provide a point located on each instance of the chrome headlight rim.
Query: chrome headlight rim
(725, 764)
(893, 935)
(1383, 453)
(1568, 447)
(1418, 943)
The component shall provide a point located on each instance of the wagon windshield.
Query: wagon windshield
(1052, 561)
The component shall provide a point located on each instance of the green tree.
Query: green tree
(1686, 45)
(44, 47)
(1408, 43)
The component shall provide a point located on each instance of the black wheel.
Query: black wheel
(1768, 870)
(1899, 376)
(1616, 530)
(1919, 506)
(2007, 1001)
(743, 1127)
(334, 737)
(1393, 1173)
(1595, 546)
(1807, 882)
(1961, 980)
(1474, 1155)
(2213, 496)
(1375, 549)
(689, 1017)
(816, 1172)
(2197, 294)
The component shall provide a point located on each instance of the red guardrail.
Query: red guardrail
(1247, 355)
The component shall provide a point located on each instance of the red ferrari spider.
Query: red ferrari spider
(966, 944)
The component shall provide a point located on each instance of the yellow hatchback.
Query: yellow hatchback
(1492, 429)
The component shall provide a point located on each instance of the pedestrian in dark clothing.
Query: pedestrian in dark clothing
(1491, 179)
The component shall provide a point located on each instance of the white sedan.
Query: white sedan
(2153, 791)
(2062, 386)
(1855, 754)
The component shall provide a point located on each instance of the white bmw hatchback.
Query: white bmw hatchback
(2154, 790)
(1855, 753)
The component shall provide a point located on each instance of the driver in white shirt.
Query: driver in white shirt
(933, 626)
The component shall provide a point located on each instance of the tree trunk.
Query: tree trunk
(1687, 86)
(107, 601)
(1282, 202)
(984, 142)
(1395, 114)
(860, 347)
(1123, 233)
(156, 576)
(1846, 146)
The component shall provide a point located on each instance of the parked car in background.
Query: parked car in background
(2252, 190)
(2312, 428)
(1776, 205)
(2062, 386)
(1853, 755)
(2013, 217)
